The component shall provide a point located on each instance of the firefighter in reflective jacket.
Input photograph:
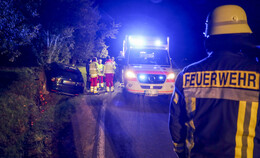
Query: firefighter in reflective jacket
(93, 70)
(109, 70)
(214, 110)
(100, 74)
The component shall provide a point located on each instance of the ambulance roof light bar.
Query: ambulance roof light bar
(142, 41)
(137, 41)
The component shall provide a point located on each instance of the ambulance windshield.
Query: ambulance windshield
(149, 56)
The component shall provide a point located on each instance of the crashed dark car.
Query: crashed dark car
(64, 79)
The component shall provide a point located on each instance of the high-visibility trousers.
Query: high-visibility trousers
(109, 80)
(93, 81)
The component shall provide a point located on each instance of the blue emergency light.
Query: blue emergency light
(137, 41)
(140, 41)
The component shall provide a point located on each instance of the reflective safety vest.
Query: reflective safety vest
(101, 69)
(93, 69)
(109, 67)
(214, 110)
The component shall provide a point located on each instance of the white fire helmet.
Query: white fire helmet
(227, 19)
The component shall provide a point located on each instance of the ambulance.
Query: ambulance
(147, 66)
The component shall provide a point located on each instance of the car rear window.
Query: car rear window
(73, 75)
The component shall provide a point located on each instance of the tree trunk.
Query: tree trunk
(52, 49)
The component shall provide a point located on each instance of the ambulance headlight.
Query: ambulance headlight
(171, 76)
(158, 43)
(130, 74)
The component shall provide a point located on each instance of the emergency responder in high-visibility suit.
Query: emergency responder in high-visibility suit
(93, 70)
(116, 70)
(100, 74)
(109, 70)
(214, 110)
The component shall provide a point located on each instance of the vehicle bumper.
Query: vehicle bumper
(72, 90)
(150, 89)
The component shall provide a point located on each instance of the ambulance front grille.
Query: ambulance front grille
(145, 87)
(151, 78)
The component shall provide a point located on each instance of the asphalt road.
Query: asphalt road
(114, 125)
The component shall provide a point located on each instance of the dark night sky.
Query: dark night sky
(182, 20)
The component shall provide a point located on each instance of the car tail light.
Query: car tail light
(53, 79)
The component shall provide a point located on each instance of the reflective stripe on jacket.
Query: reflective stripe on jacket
(215, 107)
(109, 67)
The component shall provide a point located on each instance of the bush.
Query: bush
(29, 121)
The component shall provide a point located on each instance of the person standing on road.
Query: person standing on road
(115, 65)
(113, 61)
(100, 74)
(214, 110)
(93, 70)
(88, 75)
(109, 70)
